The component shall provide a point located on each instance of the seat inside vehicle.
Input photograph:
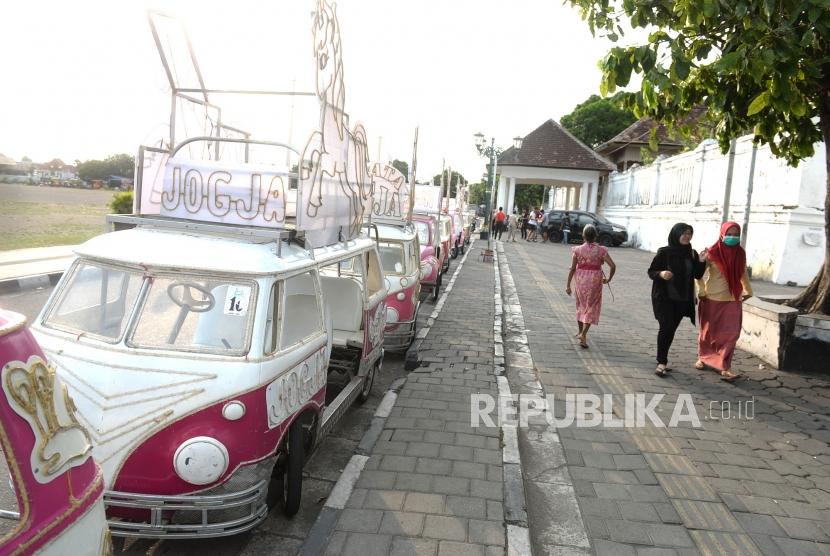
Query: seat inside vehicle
(344, 299)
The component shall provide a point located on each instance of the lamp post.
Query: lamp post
(492, 153)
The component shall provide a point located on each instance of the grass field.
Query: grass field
(42, 216)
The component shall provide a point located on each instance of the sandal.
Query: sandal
(700, 365)
(583, 343)
(660, 370)
(729, 376)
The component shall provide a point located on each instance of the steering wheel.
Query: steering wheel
(185, 298)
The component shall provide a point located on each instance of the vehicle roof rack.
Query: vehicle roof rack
(255, 233)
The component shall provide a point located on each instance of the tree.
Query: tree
(758, 65)
(454, 180)
(597, 120)
(478, 194)
(114, 165)
(401, 167)
(528, 196)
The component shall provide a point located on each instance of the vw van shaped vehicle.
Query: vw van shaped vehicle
(399, 251)
(459, 235)
(445, 236)
(207, 380)
(212, 344)
(57, 506)
(433, 253)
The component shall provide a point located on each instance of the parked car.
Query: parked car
(610, 234)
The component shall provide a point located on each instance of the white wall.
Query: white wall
(785, 241)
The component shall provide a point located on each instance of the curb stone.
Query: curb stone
(12, 285)
(515, 505)
(323, 527)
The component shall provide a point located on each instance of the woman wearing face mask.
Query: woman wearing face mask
(673, 271)
(723, 288)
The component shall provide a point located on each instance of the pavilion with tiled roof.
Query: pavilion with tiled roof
(551, 156)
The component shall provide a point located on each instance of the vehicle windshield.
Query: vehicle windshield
(602, 220)
(456, 219)
(97, 300)
(195, 313)
(392, 257)
(423, 232)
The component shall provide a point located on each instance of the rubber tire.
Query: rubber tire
(436, 291)
(293, 480)
(454, 251)
(605, 240)
(365, 392)
(463, 248)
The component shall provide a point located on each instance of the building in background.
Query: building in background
(785, 232)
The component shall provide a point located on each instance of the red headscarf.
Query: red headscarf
(731, 261)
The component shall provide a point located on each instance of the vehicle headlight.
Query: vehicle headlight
(401, 296)
(391, 314)
(200, 460)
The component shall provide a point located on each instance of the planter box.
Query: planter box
(484, 234)
(766, 330)
(784, 339)
(808, 349)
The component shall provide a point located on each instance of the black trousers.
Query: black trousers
(670, 316)
(499, 229)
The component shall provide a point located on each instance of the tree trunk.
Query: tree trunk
(816, 297)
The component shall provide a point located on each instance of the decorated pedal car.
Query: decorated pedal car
(399, 251)
(55, 506)
(214, 339)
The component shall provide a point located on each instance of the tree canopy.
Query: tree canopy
(401, 167)
(756, 65)
(597, 120)
(115, 165)
(454, 180)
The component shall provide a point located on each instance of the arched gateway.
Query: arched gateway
(551, 156)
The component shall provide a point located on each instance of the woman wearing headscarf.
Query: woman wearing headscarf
(722, 290)
(586, 266)
(673, 272)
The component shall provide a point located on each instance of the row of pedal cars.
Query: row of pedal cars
(189, 361)
(200, 383)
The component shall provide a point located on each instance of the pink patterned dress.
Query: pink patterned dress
(588, 281)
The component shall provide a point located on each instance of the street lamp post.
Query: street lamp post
(492, 153)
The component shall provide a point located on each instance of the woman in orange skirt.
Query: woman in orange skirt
(722, 290)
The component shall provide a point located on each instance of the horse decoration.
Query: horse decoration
(390, 192)
(333, 156)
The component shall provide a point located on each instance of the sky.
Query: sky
(83, 80)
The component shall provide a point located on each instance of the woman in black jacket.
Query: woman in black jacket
(673, 271)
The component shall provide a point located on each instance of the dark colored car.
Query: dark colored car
(609, 233)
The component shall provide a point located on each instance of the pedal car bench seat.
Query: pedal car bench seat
(344, 300)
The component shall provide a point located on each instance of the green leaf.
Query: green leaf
(729, 60)
(682, 68)
(758, 103)
(711, 8)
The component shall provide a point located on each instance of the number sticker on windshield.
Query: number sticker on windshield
(236, 301)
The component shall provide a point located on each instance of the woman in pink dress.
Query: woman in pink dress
(586, 266)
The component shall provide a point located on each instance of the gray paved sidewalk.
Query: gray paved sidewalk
(433, 484)
(733, 486)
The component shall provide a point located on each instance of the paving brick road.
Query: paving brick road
(433, 484)
(735, 485)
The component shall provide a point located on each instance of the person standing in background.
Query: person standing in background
(525, 218)
(673, 272)
(498, 224)
(512, 225)
(722, 291)
(565, 227)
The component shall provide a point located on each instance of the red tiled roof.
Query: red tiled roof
(640, 132)
(6, 161)
(552, 146)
